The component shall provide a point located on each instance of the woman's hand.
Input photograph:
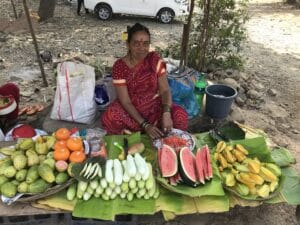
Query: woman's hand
(167, 123)
(153, 131)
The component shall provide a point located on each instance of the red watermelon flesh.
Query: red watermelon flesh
(208, 162)
(204, 163)
(200, 166)
(168, 161)
(172, 180)
(187, 166)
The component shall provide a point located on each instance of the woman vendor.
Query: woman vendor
(9, 102)
(144, 100)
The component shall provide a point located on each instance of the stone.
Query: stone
(231, 82)
(259, 87)
(276, 111)
(272, 92)
(239, 101)
(243, 76)
(237, 114)
(253, 94)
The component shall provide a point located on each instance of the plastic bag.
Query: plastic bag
(104, 92)
(182, 90)
(74, 97)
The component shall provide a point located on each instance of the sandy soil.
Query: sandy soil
(271, 52)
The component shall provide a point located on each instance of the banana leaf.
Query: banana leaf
(291, 186)
(98, 208)
(172, 204)
(282, 156)
(213, 187)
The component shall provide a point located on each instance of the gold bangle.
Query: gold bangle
(166, 108)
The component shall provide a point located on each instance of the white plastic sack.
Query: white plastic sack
(74, 97)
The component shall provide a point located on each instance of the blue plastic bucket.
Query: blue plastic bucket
(219, 99)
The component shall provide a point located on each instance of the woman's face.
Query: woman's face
(139, 45)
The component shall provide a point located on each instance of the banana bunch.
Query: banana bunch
(246, 175)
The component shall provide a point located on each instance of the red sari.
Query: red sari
(142, 85)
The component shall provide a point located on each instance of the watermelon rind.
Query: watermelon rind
(168, 161)
(189, 177)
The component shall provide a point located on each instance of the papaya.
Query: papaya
(25, 144)
(136, 148)
(45, 172)
(22, 187)
(33, 158)
(41, 148)
(10, 171)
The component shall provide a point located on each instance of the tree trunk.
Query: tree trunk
(46, 9)
(36, 47)
(185, 37)
(204, 35)
(14, 8)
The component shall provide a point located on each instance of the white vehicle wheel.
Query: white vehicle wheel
(104, 12)
(165, 15)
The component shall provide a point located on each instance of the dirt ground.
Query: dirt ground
(271, 53)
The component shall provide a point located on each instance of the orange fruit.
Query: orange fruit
(77, 157)
(62, 134)
(74, 143)
(61, 154)
(60, 144)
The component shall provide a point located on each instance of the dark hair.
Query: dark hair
(136, 28)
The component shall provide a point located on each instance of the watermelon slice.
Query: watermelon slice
(204, 163)
(208, 162)
(187, 166)
(200, 166)
(168, 161)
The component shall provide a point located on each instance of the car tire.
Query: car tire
(104, 12)
(166, 15)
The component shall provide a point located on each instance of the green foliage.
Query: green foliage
(225, 34)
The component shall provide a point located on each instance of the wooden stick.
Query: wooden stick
(14, 8)
(35, 43)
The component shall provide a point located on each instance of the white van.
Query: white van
(164, 10)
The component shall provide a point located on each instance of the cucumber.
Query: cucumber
(86, 196)
(118, 190)
(140, 163)
(94, 169)
(98, 167)
(138, 176)
(94, 184)
(105, 197)
(141, 184)
(108, 171)
(123, 195)
(71, 192)
(150, 181)
(99, 190)
(132, 183)
(131, 167)
(124, 187)
(108, 191)
(126, 177)
(89, 190)
(129, 196)
(84, 169)
(118, 172)
(103, 183)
